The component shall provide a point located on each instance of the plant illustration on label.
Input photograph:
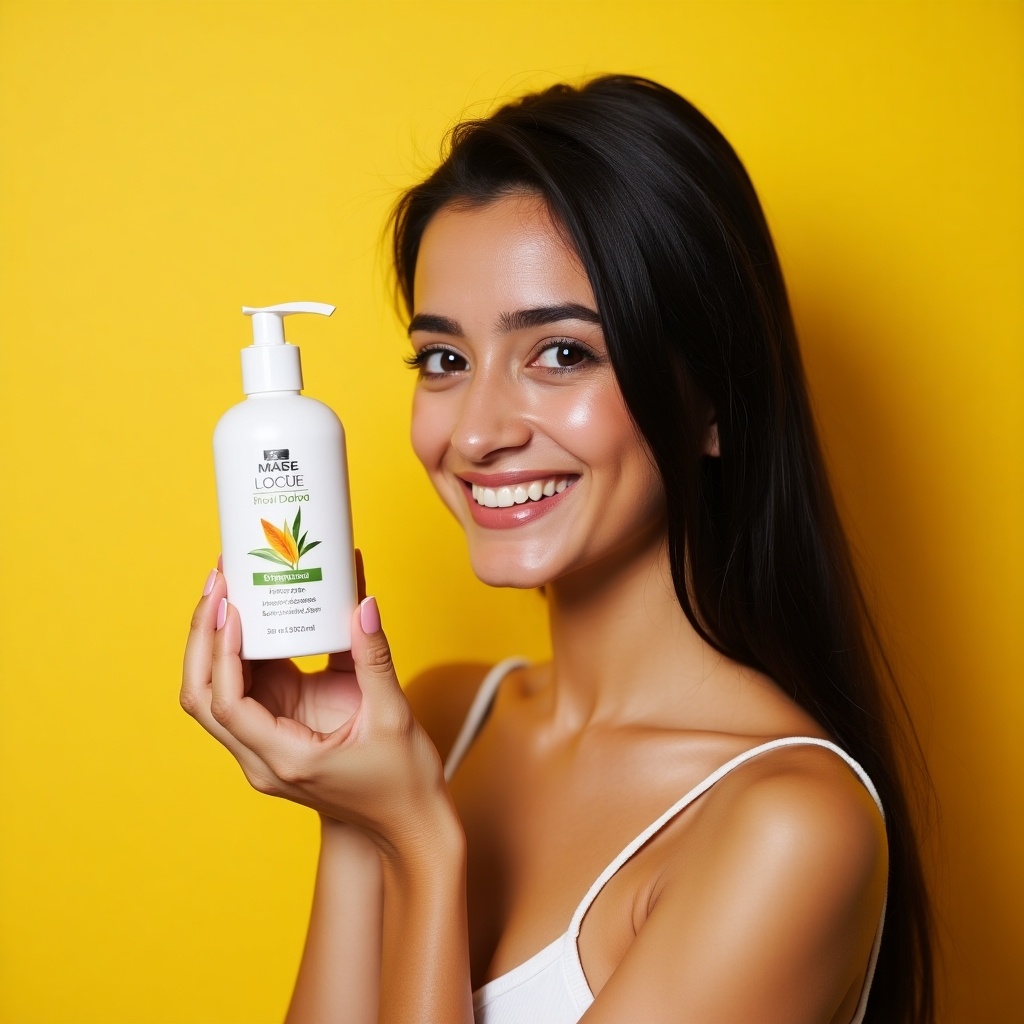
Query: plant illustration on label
(286, 546)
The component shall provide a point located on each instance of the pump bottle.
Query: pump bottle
(283, 497)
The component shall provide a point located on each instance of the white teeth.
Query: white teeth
(485, 496)
(518, 494)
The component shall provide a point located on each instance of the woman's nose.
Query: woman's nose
(492, 418)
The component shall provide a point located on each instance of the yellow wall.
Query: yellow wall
(163, 163)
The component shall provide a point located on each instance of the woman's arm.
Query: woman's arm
(425, 962)
(349, 890)
(425, 949)
(345, 743)
(770, 916)
(339, 975)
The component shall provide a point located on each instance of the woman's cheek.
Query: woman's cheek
(594, 416)
(582, 411)
(430, 434)
(426, 430)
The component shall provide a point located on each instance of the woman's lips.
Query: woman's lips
(504, 501)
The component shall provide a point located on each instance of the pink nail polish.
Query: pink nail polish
(222, 612)
(369, 615)
(210, 580)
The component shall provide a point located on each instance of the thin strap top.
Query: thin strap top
(550, 987)
(478, 712)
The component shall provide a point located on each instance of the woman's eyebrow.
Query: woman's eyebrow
(435, 324)
(519, 320)
(538, 316)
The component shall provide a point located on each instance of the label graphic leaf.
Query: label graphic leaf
(295, 525)
(302, 543)
(281, 541)
(270, 556)
(309, 547)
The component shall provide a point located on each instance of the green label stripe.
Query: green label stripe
(282, 579)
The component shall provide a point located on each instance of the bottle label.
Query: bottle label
(278, 579)
(288, 547)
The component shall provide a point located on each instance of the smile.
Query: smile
(518, 494)
(502, 501)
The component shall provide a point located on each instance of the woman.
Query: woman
(668, 821)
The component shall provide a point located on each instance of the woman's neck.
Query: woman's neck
(622, 647)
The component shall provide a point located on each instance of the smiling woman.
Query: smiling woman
(517, 392)
(694, 811)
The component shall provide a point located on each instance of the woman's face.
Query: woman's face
(517, 417)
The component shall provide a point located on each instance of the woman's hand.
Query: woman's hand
(342, 741)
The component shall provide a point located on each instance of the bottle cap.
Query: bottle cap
(270, 363)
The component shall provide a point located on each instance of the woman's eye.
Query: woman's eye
(436, 362)
(562, 356)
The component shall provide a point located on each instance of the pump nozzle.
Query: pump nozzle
(268, 321)
(269, 364)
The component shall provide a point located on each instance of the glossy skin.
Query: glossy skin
(499, 403)
(579, 756)
(758, 904)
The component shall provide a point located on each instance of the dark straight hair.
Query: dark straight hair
(670, 231)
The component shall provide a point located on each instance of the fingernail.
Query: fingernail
(222, 612)
(369, 615)
(210, 580)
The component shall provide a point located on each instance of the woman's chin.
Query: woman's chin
(502, 572)
(512, 580)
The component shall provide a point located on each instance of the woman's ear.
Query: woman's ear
(711, 446)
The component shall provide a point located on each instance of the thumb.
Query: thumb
(371, 655)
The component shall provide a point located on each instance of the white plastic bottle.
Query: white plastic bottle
(282, 492)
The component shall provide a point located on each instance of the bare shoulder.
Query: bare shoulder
(440, 698)
(810, 778)
(768, 904)
(807, 814)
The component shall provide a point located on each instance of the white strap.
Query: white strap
(574, 968)
(478, 711)
(703, 787)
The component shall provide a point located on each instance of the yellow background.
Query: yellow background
(164, 163)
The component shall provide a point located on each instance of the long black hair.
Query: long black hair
(669, 229)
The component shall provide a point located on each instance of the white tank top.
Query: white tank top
(550, 987)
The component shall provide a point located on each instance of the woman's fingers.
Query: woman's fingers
(197, 683)
(341, 661)
(281, 754)
(371, 655)
(246, 719)
(195, 676)
(227, 683)
(285, 748)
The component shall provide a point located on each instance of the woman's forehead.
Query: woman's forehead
(509, 253)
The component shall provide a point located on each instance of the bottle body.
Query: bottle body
(286, 524)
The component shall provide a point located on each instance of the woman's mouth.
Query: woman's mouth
(515, 503)
(518, 494)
